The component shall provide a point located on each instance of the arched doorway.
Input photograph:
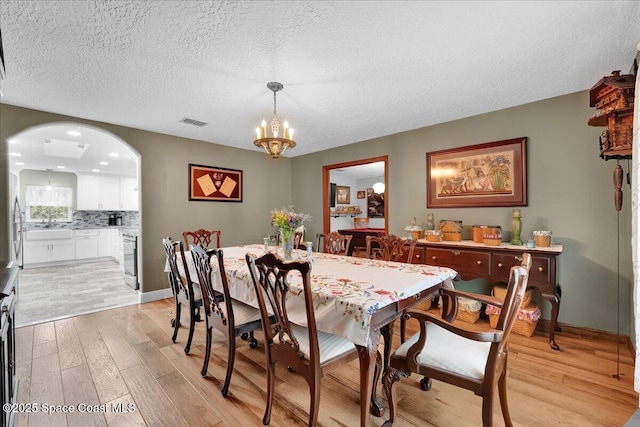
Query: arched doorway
(92, 179)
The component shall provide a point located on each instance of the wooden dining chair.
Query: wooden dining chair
(390, 247)
(471, 359)
(334, 243)
(184, 290)
(306, 351)
(297, 240)
(201, 237)
(230, 317)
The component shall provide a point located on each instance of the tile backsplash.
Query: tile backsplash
(91, 219)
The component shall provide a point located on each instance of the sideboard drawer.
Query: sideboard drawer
(501, 265)
(539, 275)
(462, 261)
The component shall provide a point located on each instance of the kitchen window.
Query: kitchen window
(48, 203)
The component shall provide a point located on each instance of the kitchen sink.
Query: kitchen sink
(48, 234)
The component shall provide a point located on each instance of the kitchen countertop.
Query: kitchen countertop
(94, 227)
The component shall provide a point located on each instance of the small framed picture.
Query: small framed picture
(343, 195)
(361, 194)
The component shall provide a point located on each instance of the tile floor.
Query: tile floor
(51, 293)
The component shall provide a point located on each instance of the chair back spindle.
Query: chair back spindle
(334, 243)
(390, 248)
(202, 237)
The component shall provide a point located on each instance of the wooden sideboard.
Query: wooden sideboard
(493, 263)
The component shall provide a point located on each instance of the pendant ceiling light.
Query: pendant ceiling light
(273, 141)
(49, 187)
(379, 186)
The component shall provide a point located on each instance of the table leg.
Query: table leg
(368, 357)
(554, 299)
(387, 335)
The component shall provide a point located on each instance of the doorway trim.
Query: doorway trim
(326, 196)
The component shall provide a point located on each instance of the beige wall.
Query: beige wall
(570, 193)
(165, 208)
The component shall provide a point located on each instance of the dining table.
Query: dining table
(356, 298)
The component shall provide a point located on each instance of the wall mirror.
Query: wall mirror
(348, 198)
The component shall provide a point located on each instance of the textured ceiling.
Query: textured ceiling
(351, 70)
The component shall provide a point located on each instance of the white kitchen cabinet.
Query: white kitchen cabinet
(35, 252)
(98, 193)
(48, 245)
(128, 194)
(62, 250)
(110, 193)
(104, 242)
(115, 245)
(86, 244)
(88, 193)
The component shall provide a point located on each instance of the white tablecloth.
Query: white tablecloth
(346, 290)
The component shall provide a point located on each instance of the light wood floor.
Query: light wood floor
(126, 355)
(51, 293)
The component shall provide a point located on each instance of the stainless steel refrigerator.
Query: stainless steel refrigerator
(16, 221)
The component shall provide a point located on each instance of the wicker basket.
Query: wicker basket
(542, 238)
(500, 292)
(525, 323)
(467, 316)
(433, 235)
(424, 305)
(451, 230)
(468, 310)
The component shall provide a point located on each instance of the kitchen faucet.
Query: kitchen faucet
(48, 224)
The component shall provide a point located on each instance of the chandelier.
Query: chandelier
(274, 143)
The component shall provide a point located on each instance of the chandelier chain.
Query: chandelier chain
(274, 102)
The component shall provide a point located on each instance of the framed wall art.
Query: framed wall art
(375, 204)
(213, 184)
(483, 175)
(361, 194)
(343, 195)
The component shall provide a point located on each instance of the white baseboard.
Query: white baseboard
(155, 295)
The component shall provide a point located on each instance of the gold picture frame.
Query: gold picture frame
(343, 195)
(482, 175)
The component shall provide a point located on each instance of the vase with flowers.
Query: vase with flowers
(288, 221)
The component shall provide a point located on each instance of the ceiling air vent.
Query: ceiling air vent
(193, 122)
